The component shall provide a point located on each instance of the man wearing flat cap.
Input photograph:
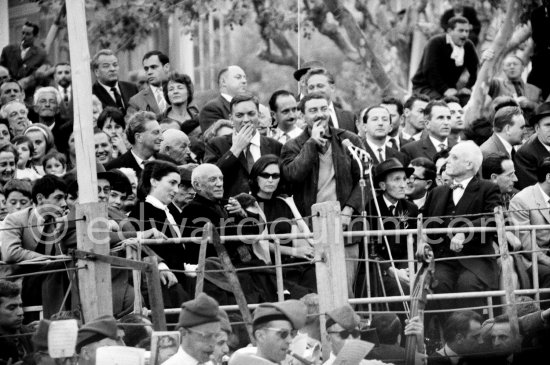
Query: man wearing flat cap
(221, 348)
(342, 323)
(535, 150)
(396, 212)
(302, 71)
(273, 327)
(101, 332)
(199, 324)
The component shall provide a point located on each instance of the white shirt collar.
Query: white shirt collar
(108, 88)
(333, 115)
(227, 97)
(544, 195)
(375, 148)
(256, 139)
(416, 136)
(155, 202)
(61, 89)
(464, 182)
(421, 201)
(396, 139)
(506, 144)
(139, 159)
(388, 203)
(450, 354)
(437, 142)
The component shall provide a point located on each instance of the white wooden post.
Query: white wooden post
(95, 281)
(330, 266)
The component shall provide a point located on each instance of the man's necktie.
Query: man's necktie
(512, 153)
(160, 100)
(118, 98)
(442, 147)
(249, 159)
(392, 209)
(65, 96)
(46, 236)
(380, 157)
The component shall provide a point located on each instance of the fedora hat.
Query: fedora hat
(390, 165)
(305, 68)
(542, 111)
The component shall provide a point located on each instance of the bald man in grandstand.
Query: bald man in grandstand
(467, 195)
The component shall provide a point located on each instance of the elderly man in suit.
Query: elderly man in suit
(438, 125)
(23, 59)
(108, 89)
(508, 127)
(373, 127)
(235, 154)
(144, 134)
(466, 195)
(531, 206)
(536, 149)
(319, 80)
(156, 65)
(231, 82)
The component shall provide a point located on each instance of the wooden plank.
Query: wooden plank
(330, 265)
(113, 260)
(233, 279)
(508, 275)
(94, 282)
(155, 294)
(207, 233)
(134, 255)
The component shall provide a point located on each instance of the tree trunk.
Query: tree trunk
(359, 41)
(474, 108)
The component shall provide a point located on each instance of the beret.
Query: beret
(203, 309)
(291, 310)
(40, 337)
(224, 321)
(96, 330)
(345, 316)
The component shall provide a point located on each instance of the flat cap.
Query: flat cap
(345, 316)
(96, 330)
(291, 310)
(306, 66)
(203, 309)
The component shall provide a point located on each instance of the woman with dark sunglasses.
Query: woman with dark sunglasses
(266, 186)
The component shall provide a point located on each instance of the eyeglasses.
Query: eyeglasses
(413, 177)
(205, 336)
(265, 175)
(346, 333)
(106, 189)
(283, 334)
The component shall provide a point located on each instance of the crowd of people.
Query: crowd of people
(167, 165)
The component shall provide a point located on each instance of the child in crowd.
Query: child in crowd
(25, 149)
(55, 163)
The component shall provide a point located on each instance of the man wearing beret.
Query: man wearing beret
(342, 323)
(221, 348)
(101, 332)
(273, 327)
(199, 324)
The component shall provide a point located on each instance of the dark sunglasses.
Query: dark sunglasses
(283, 334)
(345, 333)
(265, 175)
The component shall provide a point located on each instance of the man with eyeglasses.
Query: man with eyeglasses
(421, 181)
(274, 326)
(199, 325)
(342, 324)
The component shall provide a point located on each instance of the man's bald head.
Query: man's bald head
(207, 180)
(175, 144)
(232, 80)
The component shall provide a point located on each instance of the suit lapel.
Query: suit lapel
(469, 196)
(428, 146)
(539, 201)
(151, 100)
(371, 153)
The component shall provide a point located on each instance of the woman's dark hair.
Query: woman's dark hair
(113, 113)
(258, 167)
(7, 124)
(180, 79)
(24, 139)
(153, 170)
